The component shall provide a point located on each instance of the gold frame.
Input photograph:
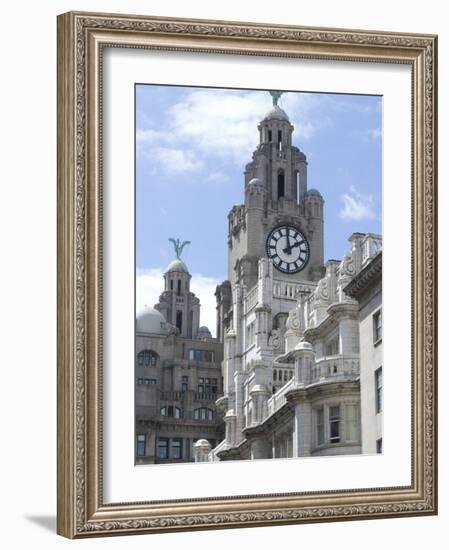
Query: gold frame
(81, 37)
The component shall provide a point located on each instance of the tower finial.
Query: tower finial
(275, 95)
(178, 246)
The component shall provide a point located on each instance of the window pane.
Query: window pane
(378, 388)
(334, 424)
(141, 444)
(162, 448)
(176, 449)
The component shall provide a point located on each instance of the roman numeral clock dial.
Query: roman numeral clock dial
(288, 248)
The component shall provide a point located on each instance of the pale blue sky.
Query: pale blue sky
(192, 145)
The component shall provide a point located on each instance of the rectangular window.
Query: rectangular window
(176, 449)
(320, 426)
(377, 326)
(379, 446)
(378, 387)
(334, 424)
(184, 387)
(140, 381)
(332, 347)
(352, 422)
(201, 355)
(162, 447)
(141, 443)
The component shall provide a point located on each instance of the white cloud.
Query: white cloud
(150, 284)
(357, 206)
(368, 135)
(211, 124)
(176, 161)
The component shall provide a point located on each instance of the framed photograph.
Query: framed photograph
(246, 274)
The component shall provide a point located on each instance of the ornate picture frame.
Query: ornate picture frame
(82, 40)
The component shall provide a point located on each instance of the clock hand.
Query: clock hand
(288, 250)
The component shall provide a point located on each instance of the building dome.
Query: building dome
(177, 266)
(203, 333)
(313, 193)
(151, 321)
(256, 182)
(276, 113)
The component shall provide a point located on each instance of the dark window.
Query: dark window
(141, 443)
(149, 381)
(171, 284)
(377, 326)
(162, 447)
(140, 381)
(279, 135)
(178, 412)
(184, 383)
(281, 184)
(270, 135)
(176, 449)
(147, 358)
(179, 320)
(334, 424)
(163, 411)
(379, 446)
(179, 287)
(378, 387)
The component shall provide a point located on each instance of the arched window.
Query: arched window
(203, 413)
(147, 358)
(281, 184)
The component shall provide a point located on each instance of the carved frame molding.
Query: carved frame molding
(81, 38)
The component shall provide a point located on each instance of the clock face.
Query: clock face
(288, 248)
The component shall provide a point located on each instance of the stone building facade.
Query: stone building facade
(178, 375)
(291, 365)
(366, 288)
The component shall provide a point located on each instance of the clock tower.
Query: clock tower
(281, 218)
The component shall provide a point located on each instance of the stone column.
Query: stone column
(302, 433)
(261, 448)
(304, 361)
(230, 423)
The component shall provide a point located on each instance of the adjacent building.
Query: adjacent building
(366, 288)
(178, 375)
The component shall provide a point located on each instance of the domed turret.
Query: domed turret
(204, 333)
(276, 113)
(256, 182)
(151, 321)
(313, 193)
(177, 266)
